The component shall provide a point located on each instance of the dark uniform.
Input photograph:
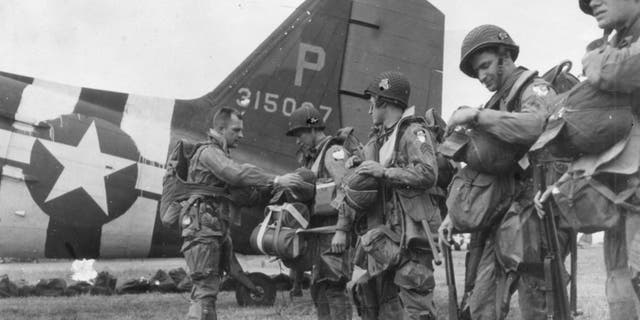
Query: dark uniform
(330, 271)
(406, 286)
(516, 119)
(205, 229)
(615, 67)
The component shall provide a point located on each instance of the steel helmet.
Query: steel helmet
(391, 86)
(360, 191)
(482, 37)
(305, 117)
(585, 7)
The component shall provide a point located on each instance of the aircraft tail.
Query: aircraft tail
(300, 63)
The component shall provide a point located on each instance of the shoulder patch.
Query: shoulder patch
(421, 135)
(339, 154)
(541, 90)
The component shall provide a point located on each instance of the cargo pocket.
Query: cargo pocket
(383, 249)
(203, 260)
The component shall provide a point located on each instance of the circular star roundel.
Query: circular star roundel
(85, 171)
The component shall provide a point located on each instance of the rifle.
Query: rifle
(432, 244)
(556, 292)
(573, 293)
(454, 310)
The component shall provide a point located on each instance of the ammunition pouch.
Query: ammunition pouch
(198, 217)
(510, 239)
(382, 246)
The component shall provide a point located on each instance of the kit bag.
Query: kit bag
(277, 234)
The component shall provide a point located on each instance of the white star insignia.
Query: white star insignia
(85, 166)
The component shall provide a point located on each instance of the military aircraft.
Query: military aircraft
(82, 168)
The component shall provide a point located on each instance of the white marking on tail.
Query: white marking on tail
(304, 64)
(130, 234)
(148, 121)
(44, 100)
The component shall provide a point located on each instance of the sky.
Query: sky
(183, 49)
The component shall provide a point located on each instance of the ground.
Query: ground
(591, 297)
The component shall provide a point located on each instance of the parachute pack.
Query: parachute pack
(585, 119)
(175, 187)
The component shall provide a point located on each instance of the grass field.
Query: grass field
(591, 297)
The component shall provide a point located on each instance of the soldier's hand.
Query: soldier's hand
(289, 180)
(445, 231)
(461, 116)
(339, 242)
(353, 161)
(541, 197)
(371, 168)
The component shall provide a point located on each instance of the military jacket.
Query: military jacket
(411, 175)
(615, 66)
(524, 122)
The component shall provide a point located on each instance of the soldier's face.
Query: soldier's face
(614, 14)
(305, 139)
(376, 110)
(233, 131)
(486, 66)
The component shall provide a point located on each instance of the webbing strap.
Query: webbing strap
(386, 153)
(295, 214)
(620, 198)
(262, 231)
(517, 86)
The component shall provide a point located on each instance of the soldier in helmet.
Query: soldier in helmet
(392, 246)
(332, 266)
(612, 65)
(515, 114)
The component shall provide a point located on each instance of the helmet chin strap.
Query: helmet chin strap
(501, 53)
(314, 141)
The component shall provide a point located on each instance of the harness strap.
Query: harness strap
(517, 86)
(262, 231)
